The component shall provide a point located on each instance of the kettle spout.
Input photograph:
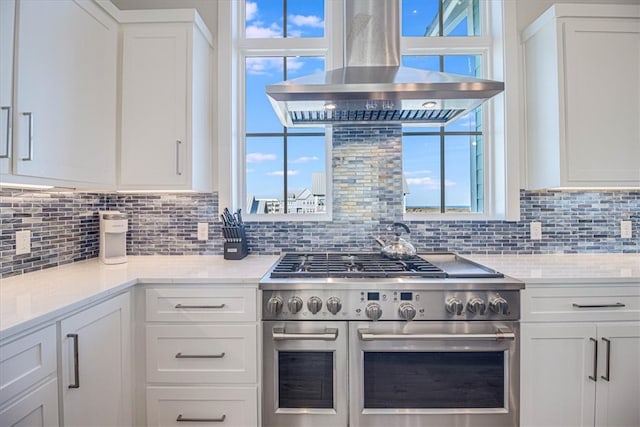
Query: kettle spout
(379, 241)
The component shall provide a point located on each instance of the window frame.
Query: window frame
(503, 160)
(281, 47)
(483, 46)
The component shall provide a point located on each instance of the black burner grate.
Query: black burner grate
(353, 265)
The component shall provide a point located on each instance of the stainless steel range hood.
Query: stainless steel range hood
(373, 88)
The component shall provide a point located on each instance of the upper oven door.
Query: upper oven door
(434, 373)
(305, 374)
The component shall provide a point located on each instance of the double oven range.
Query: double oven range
(361, 340)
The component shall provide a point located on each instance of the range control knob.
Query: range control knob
(334, 305)
(294, 304)
(499, 305)
(373, 311)
(314, 304)
(454, 306)
(407, 311)
(274, 305)
(476, 306)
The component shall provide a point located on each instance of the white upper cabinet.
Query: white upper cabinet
(7, 13)
(64, 87)
(165, 140)
(582, 74)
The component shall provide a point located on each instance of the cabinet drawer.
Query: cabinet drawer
(202, 353)
(209, 304)
(27, 360)
(605, 302)
(39, 408)
(226, 407)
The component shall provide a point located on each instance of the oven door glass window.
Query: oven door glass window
(434, 380)
(305, 379)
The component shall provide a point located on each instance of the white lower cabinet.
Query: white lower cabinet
(96, 365)
(28, 384)
(38, 408)
(179, 406)
(201, 355)
(582, 372)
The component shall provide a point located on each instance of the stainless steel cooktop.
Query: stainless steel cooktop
(363, 286)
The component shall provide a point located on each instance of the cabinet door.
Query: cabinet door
(7, 12)
(602, 95)
(619, 375)
(556, 362)
(154, 148)
(38, 408)
(99, 391)
(65, 104)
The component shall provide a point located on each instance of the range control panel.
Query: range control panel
(406, 305)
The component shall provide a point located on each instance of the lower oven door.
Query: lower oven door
(305, 374)
(434, 374)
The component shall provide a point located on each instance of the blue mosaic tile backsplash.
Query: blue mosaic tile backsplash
(367, 196)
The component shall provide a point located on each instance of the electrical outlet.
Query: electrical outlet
(23, 242)
(625, 229)
(535, 230)
(203, 231)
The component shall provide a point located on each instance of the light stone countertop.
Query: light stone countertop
(554, 269)
(37, 297)
(41, 296)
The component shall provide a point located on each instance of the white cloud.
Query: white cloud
(428, 183)
(267, 65)
(259, 31)
(251, 10)
(305, 159)
(418, 172)
(306, 21)
(281, 173)
(260, 157)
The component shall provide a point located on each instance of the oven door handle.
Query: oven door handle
(500, 335)
(329, 334)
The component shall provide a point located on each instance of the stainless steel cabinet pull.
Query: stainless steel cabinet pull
(182, 419)
(608, 365)
(365, 335)
(329, 334)
(616, 305)
(200, 356)
(199, 306)
(7, 142)
(178, 170)
(30, 156)
(594, 377)
(76, 361)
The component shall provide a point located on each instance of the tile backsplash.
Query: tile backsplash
(367, 196)
(65, 227)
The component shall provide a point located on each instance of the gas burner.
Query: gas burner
(353, 265)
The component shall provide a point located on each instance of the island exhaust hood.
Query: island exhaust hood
(373, 88)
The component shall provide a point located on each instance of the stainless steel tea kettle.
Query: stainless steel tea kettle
(397, 247)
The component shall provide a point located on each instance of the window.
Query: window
(444, 168)
(285, 169)
(459, 171)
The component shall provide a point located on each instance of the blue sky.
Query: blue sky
(421, 158)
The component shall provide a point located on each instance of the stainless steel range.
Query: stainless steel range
(361, 340)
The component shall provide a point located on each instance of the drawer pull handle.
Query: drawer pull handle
(200, 356)
(76, 361)
(607, 375)
(616, 305)
(181, 419)
(30, 140)
(199, 306)
(594, 377)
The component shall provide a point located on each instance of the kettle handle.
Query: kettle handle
(399, 224)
